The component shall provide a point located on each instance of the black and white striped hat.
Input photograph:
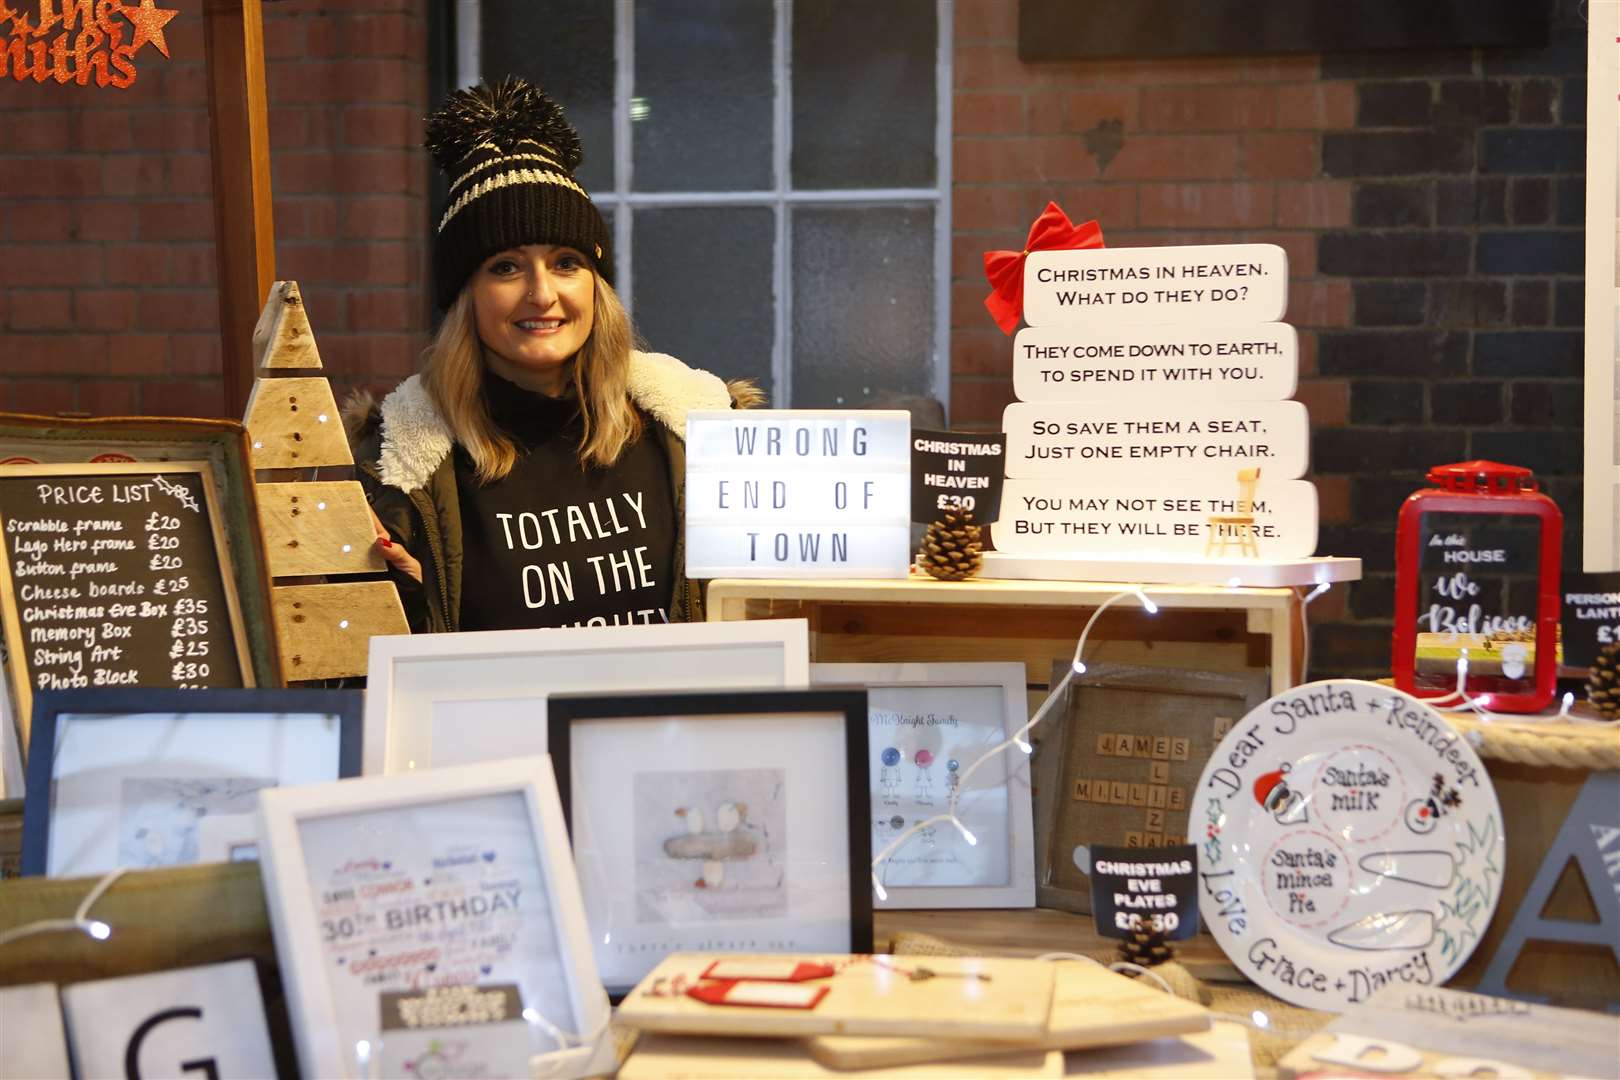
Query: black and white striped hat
(510, 155)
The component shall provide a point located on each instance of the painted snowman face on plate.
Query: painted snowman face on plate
(1348, 839)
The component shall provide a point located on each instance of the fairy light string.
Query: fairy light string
(1076, 667)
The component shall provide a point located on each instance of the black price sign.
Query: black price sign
(1590, 616)
(1149, 887)
(951, 470)
(116, 575)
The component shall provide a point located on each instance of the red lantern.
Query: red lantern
(1476, 588)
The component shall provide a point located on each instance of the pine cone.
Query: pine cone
(1603, 682)
(951, 548)
(1145, 946)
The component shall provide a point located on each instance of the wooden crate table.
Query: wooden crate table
(1203, 627)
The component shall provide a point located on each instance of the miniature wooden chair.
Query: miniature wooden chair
(1238, 527)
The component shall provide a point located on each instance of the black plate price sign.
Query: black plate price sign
(952, 470)
(1151, 887)
(116, 574)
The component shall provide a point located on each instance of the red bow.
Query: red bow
(1052, 231)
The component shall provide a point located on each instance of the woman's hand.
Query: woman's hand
(395, 554)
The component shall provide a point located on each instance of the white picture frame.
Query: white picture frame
(453, 823)
(11, 758)
(963, 710)
(487, 689)
(1600, 491)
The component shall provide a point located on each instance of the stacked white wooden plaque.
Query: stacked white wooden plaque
(889, 1015)
(1147, 379)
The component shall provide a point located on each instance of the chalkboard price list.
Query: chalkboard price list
(116, 581)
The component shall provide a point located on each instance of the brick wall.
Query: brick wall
(107, 263)
(1431, 205)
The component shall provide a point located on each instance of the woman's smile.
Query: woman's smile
(534, 307)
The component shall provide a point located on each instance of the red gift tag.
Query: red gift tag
(766, 995)
(760, 970)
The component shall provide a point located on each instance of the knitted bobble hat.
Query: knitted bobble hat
(510, 157)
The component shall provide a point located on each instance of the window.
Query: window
(776, 176)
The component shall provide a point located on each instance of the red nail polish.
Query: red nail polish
(385, 542)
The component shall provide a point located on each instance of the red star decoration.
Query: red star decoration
(149, 23)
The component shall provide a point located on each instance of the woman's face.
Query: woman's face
(534, 307)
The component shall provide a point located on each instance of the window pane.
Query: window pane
(565, 47)
(863, 304)
(863, 93)
(703, 287)
(700, 118)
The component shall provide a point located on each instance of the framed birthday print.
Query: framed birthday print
(158, 777)
(927, 726)
(456, 699)
(452, 877)
(716, 822)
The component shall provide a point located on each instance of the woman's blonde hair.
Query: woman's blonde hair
(453, 373)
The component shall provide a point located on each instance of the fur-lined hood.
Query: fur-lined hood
(416, 440)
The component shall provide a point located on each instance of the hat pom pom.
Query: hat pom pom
(503, 114)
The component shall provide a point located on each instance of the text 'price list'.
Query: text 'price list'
(116, 581)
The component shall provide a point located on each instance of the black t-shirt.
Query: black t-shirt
(552, 544)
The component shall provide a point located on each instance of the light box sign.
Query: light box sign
(1107, 287)
(1199, 441)
(798, 493)
(1170, 516)
(1257, 362)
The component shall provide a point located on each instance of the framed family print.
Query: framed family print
(160, 777)
(445, 878)
(455, 699)
(926, 726)
(1118, 764)
(716, 822)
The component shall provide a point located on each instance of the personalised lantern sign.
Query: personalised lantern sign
(1476, 561)
(1106, 287)
(1589, 621)
(798, 493)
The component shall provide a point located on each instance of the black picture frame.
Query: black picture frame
(564, 710)
(49, 705)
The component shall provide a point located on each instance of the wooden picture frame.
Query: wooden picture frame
(487, 689)
(763, 768)
(957, 712)
(1180, 714)
(48, 440)
(344, 868)
(149, 754)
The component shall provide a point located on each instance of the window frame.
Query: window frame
(623, 201)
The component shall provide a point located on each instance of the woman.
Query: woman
(531, 475)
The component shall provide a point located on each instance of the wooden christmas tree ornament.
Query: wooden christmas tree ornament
(952, 548)
(312, 529)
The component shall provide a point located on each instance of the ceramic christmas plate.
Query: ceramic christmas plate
(1348, 839)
